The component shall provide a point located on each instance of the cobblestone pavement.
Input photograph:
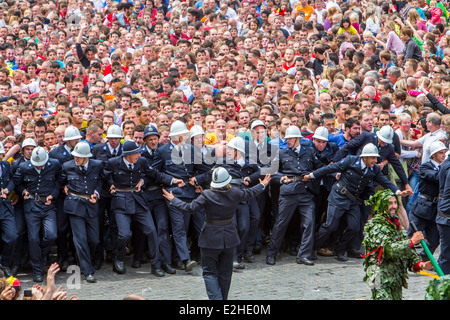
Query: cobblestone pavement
(328, 279)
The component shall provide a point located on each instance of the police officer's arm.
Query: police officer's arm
(107, 175)
(332, 168)
(55, 192)
(353, 144)
(255, 175)
(18, 180)
(190, 207)
(429, 174)
(10, 186)
(157, 165)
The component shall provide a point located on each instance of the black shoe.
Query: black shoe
(108, 257)
(249, 257)
(178, 265)
(136, 264)
(168, 269)
(90, 278)
(313, 256)
(119, 267)
(352, 253)
(158, 272)
(63, 265)
(305, 261)
(292, 251)
(270, 260)
(97, 264)
(257, 249)
(14, 271)
(38, 278)
(189, 265)
(341, 257)
(7, 272)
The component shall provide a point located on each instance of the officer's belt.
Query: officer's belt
(152, 188)
(296, 178)
(80, 195)
(444, 215)
(130, 189)
(343, 190)
(236, 181)
(429, 198)
(40, 199)
(220, 222)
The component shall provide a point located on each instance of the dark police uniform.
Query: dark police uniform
(83, 215)
(39, 185)
(108, 233)
(7, 220)
(239, 170)
(130, 206)
(219, 237)
(266, 156)
(424, 209)
(326, 157)
(170, 162)
(296, 197)
(158, 208)
(21, 226)
(62, 154)
(345, 198)
(443, 216)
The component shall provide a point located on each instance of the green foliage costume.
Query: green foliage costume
(389, 255)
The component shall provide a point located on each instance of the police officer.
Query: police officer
(125, 176)
(157, 206)
(17, 201)
(7, 221)
(424, 209)
(243, 174)
(172, 162)
(357, 173)
(296, 197)
(266, 156)
(81, 178)
(219, 236)
(105, 151)
(203, 157)
(63, 153)
(36, 181)
(324, 150)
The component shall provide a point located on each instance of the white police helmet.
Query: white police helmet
(293, 132)
(369, 150)
(178, 128)
(386, 134)
(114, 131)
(436, 147)
(82, 150)
(237, 143)
(220, 178)
(71, 133)
(39, 156)
(321, 133)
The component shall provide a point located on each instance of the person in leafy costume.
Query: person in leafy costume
(389, 252)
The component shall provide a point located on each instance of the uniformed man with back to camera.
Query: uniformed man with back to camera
(219, 236)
